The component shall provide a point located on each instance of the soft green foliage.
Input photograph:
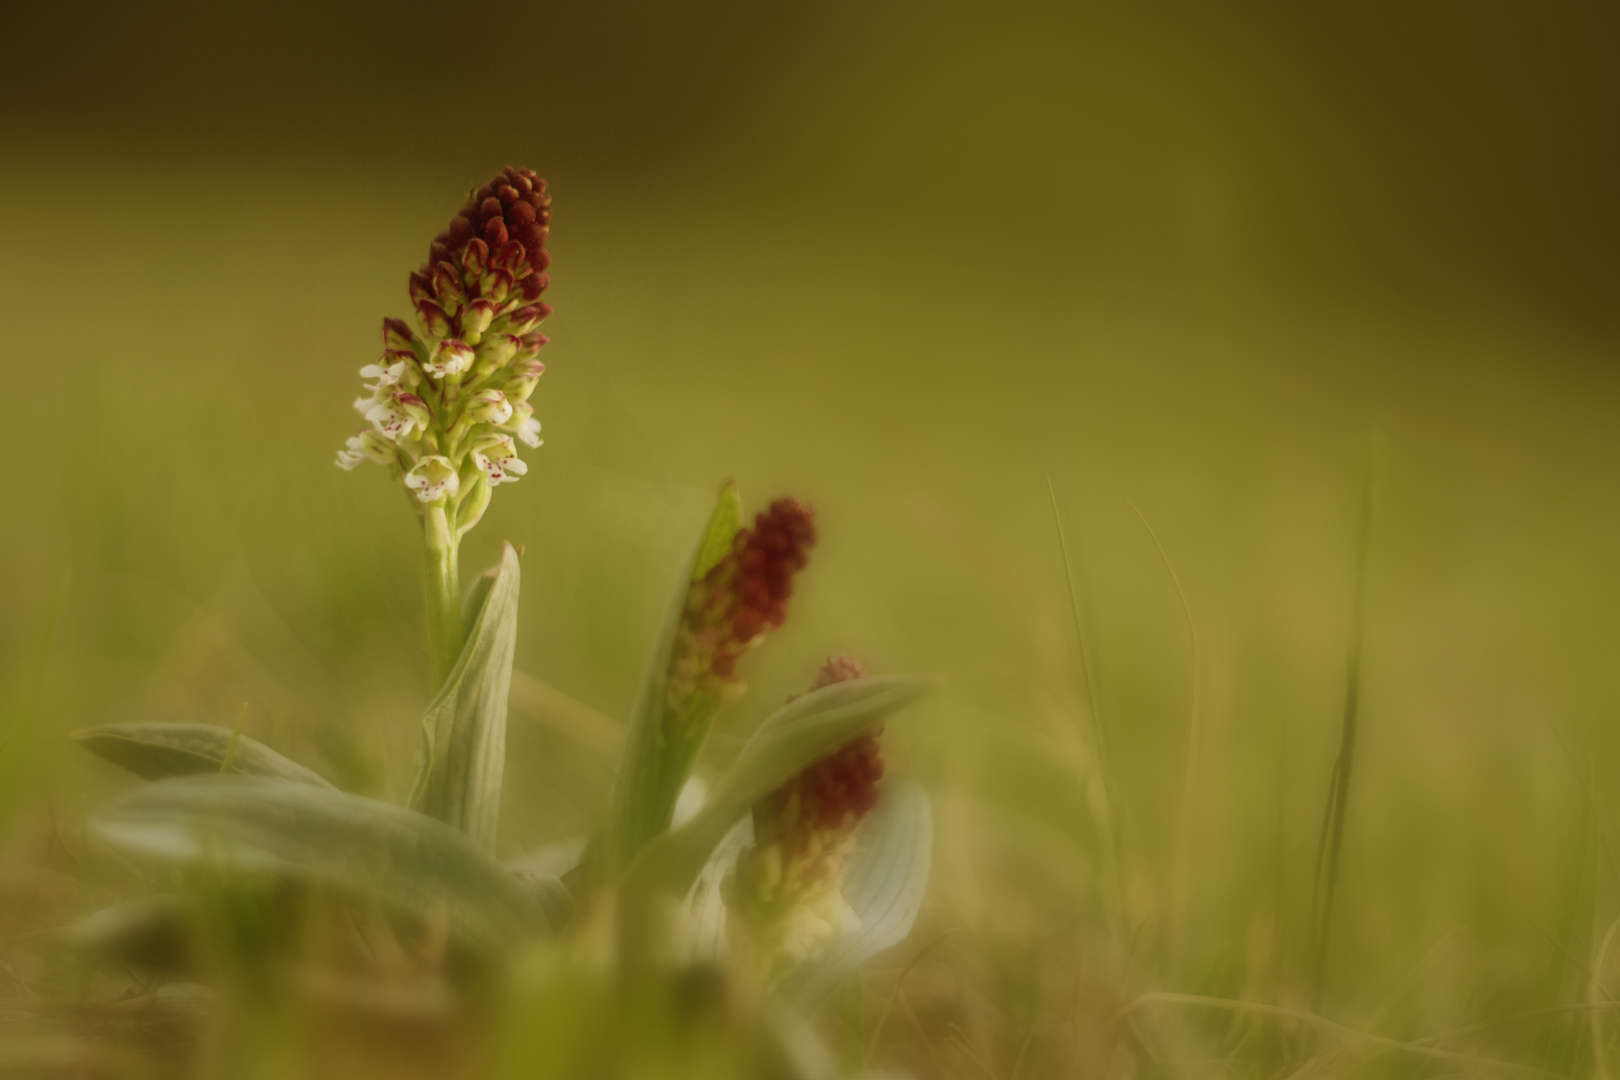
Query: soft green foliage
(657, 758)
(888, 875)
(462, 758)
(22, 712)
(799, 733)
(155, 750)
(379, 853)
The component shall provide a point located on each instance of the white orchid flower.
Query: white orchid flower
(450, 357)
(489, 407)
(497, 458)
(433, 478)
(366, 446)
(524, 425)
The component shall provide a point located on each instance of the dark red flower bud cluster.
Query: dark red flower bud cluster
(490, 258)
(732, 607)
(836, 792)
(761, 568)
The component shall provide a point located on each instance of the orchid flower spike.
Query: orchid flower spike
(448, 400)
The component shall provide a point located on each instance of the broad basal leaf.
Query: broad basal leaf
(802, 732)
(651, 772)
(157, 750)
(368, 849)
(887, 876)
(463, 750)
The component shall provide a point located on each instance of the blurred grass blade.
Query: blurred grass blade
(805, 730)
(888, 875)
(157, 750)
(706, 903)
(22, 711)
(463, 751)
(651, 770)
(1338, 801)
(368, 849)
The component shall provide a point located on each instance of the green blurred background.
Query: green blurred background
(906, 262)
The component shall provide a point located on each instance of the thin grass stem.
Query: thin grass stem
(1320, 1023)
(1104, 757)
(1180, 868)
(1331, 842)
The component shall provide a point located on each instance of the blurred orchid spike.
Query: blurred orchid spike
(786, 893)
(732, 607)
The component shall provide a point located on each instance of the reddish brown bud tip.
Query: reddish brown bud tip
(509, 256)
(477, 316)
(532, 344)
(420, 287)
(840, 668)
(434, 320)
(496, 285)
(525, 319)
(475, 259)
(447, 284)
(396, 335)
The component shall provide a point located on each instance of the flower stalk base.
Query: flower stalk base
(443, 592)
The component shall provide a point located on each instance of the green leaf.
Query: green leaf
(157, 750)
(721, 534)
(795, 736)
(463, 751)
(368, 849)
(652, 771)
(887, 877)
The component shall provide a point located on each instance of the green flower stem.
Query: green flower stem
(443, 591)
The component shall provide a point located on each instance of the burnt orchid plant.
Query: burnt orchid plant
(802, 861)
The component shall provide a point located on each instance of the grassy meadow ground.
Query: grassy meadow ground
(173, 413)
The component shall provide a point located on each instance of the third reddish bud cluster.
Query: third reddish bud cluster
(766, 558)
(841, 788)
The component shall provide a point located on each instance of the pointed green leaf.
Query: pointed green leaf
(652, 771)
(157, 750)
(887, 877)
(463, 750)
(802, 732)
(721, 533)
(368, 849)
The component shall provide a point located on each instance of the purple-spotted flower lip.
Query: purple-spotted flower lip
(433, 478)
(498, 460)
